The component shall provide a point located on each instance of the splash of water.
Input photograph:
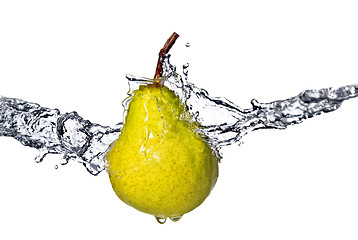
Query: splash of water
(49, 131)
(226, 123)
(222, 121)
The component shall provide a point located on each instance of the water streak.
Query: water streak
(222, 121)
(69, 134)
(49, 131)
(229, 123)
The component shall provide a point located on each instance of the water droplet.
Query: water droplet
(161, 220)
(56, 166)
(175, 219)
(41, 156)
(187, 44)
(255, 104)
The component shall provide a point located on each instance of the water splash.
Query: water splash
(49, 131)
(226, 123)
(222, 121)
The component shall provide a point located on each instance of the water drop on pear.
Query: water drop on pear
(161, 220)
(175, 219)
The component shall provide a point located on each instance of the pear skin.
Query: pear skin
(161, 164)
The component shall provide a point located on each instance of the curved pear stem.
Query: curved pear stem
(163, 54)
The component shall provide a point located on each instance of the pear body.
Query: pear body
(159, 164)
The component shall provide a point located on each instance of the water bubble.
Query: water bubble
(56, 166)
(161, 220)
(175, 219)
(187, 44)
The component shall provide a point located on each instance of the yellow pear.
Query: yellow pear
(161, 164)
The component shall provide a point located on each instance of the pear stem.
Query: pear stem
(163, 54)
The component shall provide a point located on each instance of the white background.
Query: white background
(300, 183)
